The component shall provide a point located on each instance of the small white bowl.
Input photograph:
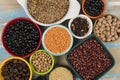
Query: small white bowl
(73, 11)
(90, 26)
(54, 54)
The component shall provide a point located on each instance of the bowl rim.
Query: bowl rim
(71, 43)
(94, 17)
(90, 24)
(47, 24)
(18, 58)
(8, 25)
(41, 73)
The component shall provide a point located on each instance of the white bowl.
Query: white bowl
(53, 52)
(73, 11)
(90, 25)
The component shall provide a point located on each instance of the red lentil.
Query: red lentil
(57, 40)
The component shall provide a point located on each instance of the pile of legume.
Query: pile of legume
(15, 70)
(80, 26)
(61, 73)
(21, 37)
(41, 61)
(93, 7)
(107, 28)
(89, 59)
(57, 40)
(48, 11)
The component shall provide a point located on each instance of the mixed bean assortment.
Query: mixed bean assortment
(89, 59)
(48, 11)
(15, 70)
(93, 7)
(41, 61)
(107, 28)
(80, 26)
(21, 37)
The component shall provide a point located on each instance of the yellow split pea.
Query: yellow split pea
(57, 40)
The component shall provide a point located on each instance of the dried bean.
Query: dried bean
(15, 70)
(107, 26)
(89, 59)
(21, 37)
(41, 61)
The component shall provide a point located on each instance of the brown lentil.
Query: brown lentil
(48, 11)
(57, 40)
(61, 73)
(107, 28)
(41, 61)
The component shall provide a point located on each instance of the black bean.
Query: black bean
(22, 36)
(93, 7)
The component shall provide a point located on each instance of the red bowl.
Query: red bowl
(5, 29)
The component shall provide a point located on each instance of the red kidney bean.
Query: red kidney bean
(89, 59)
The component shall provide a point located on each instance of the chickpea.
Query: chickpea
(100, 20)
(104, 32)
(104, 21)
(108, 28)
(114, 19)
(118, 30)
(112, 33)
(98, 35)
(101, 29)
(109, 21)
(118, 22)
(102, 36)
(113, 38)
(103, 39)
(99, 23)
(97, 31)
(103, 26)
(108, 39)
(96, 27)
(116, 36)
(114, 23)
(106, 24)
(108, 33)
(109, 17)
(112, 30)
(113, 27)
